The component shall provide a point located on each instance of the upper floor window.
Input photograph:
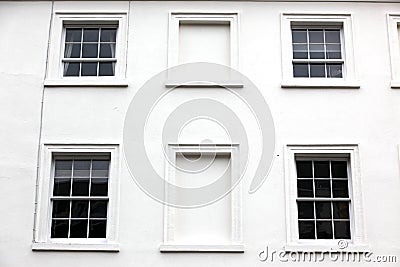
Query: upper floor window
(90, 51)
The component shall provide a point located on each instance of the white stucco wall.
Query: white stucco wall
(368, 116)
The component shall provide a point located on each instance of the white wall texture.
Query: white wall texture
(369, 117)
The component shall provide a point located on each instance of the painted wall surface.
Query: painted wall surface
(369, 117)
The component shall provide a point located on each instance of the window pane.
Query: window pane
(98, 209)
(300, 70)
(305, 188)
(59, 228)
(78, 229)
(333, 51)
(321, 169)
(317, 70)
(89, 69)
(79, 209)
(107, 50)
(334, 70)
(300, 51)
(63, 168)
(322, 188)
(73, 35)
(107, 69)
(72, 50)
(323, 210)
(306, 230)
(91, 35)
(80, 187)
(82, 168)
(108, 35)
(304, 169)
(71, 69)
(339, 169)
(99, 187)
(97, 228)
(299, 36)
(100, 168)
(62, 187)
(305, 209)
(317, 51)
(340, 188)
(342, 230)
(89, 51)
(340, 210)
(60, 209)
(316, 36)
(324, 230)
(332, 36)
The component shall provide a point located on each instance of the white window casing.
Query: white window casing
(393, 24)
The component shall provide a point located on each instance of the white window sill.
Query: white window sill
(110, 247)
(395, 84)
(333, 83)
(202, 248)
(203, 84)
(85, 83)
(301, 247)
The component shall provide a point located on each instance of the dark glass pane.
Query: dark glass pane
(305, 209)
(90, 35)
(63, 168)
(82, 168)
(321, 169)
(304, 169)
(299, 36)
(99, 187)
(339, 169)
(79, 208)
(107, 50)
(107, 69)
(59, 229)
(78, 229)
(60, 208)
(89, 69)
(80, 187)
(324, 230)
(322, 188)
(340, 188)
(97, 228)
(305, 188)
(317, 70)
(71, 69)
(306, 230)
(334, 70)
(72, 50)
(89, 50)
(300, 51)
(317, 51)
(62, 187)
(100, 168)
(333, 51)
(108, 35)
(323, 210)
(332, 36)
(98, 208)
(342, 230)
(73, 35)
(300, 70)
(340, 210)
(316, 36)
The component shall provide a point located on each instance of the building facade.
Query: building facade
(304, 91)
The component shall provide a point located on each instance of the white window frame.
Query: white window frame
(393, 24)
(54, 75)
(358, 240)
(349, 79)
(42, 227)
(236, 245)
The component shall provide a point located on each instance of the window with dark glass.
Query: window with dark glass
(323, 200)
(317, 52)
(80, 197)
(90, 51)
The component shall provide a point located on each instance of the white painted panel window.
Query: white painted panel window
(204, 42)
(393, 21)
